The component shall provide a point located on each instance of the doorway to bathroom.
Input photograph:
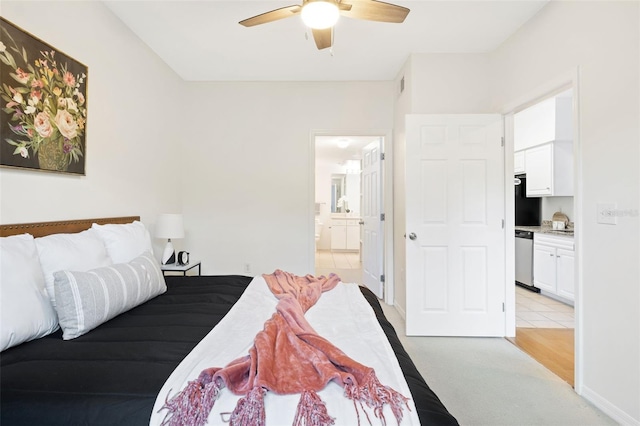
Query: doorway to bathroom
(348, 201)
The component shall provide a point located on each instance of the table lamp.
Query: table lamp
(170, 225)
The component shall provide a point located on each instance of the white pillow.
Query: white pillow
(87, 299)
(124, 242)
(76, 252)
(25, 310)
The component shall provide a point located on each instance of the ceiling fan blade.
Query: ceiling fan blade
(274, 15)
(372, 10)
(323, 38)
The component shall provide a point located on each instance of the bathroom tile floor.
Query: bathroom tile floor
(346, 264)
(534, 310)
(341, 260)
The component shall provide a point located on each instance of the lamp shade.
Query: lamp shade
(170, 225)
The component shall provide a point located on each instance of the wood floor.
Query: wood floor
(551, 347)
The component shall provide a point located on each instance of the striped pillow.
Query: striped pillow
(84, 300)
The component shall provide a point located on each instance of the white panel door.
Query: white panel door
(454, 216)
(372, 233)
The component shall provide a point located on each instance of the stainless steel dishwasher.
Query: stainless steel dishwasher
(524, 259)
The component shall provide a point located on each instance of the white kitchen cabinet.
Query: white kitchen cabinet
(544, 267)
(565, 273)
(553, 265)
(345, 234)
(549, 169)
(546, 121)
(539, 178)
(518, 162)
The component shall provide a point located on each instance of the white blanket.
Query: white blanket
(341, 315)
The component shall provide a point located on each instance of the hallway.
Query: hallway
(346, 264)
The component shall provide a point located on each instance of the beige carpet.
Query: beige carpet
(489, 381)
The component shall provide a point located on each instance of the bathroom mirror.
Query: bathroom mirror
(338, 190)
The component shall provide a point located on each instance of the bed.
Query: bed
(113, 373)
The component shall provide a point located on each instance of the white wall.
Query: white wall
(352, 183)
(550, 205)
(451, 83)
(602, 39)
(403, 106)
(243, 151)
(132, 156)
(249, 171)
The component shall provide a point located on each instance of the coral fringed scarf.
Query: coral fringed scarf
(288, 357)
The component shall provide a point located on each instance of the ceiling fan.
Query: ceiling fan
(321, 15)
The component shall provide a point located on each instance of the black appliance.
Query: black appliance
(527, 214)
(527, 208)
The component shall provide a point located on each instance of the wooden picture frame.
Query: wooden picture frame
(43, 99)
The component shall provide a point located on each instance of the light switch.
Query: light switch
(607, 214)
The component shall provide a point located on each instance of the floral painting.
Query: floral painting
(43, 121)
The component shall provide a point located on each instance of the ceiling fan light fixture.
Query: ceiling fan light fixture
(320, 14)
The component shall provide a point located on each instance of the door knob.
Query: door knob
(361, 222)
(412, 236)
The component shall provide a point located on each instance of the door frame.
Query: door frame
(386, 193)
(565, 81)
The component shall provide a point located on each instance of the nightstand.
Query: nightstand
(172, 267)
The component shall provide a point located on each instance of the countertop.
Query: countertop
(546, 228)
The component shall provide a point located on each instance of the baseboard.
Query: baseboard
(401, 311)
(608, 408)
(558, 298)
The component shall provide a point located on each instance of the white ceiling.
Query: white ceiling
(328, 152)
(202, 40)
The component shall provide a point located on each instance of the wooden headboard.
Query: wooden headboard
(41, 229)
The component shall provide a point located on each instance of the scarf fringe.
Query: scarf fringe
(250, 409)
(191, 406)
(376, 395)
(312, 411)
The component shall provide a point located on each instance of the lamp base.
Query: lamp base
(169, 254)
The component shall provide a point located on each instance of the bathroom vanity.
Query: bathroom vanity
(345, 233)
